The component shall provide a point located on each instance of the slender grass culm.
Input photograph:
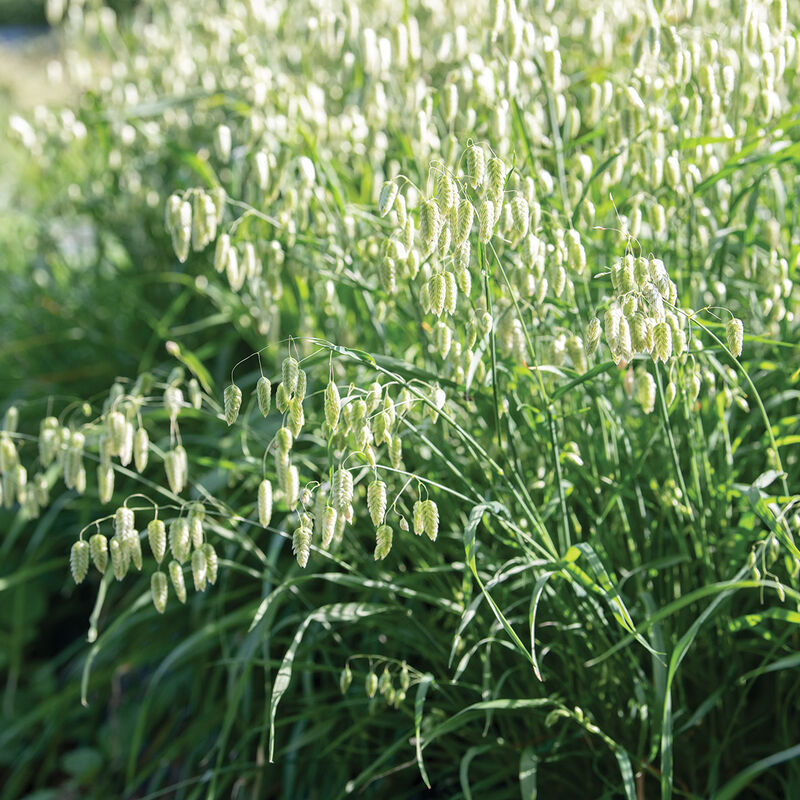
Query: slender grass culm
(445, 356)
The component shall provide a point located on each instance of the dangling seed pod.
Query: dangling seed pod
(282, 398)
(476, 166)
(645, 390)
(387, 197)
(297, 417)
(159, 591)
(329, 517)
(141, 447)
(105, 483)
(466, 214)
(233, 402)
(437, 288)
(123, 522)
(345, 679)
(300, 389)
(197, 514)
(371, 685)
(290, 371)
(118, 561)
(79, 560)
(285, 439)
(662, 342)
(332, 405)
(376, 501)
(212, 562)
(383, 542)
(180, 541)
(199, 570)
(301, 544)
(430, 517)
(342, 495)
(264, 503)
(734, 334)
(264, 395)
(486, 221)
(173, 466)
(292, 487)
(133, 546)
(157, 537)
(178, 584)
(419, 517)
(98, 549)
(429, 223)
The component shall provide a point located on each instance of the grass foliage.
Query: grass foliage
(609, 607)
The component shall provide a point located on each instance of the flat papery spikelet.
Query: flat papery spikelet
(118, 560)
(466, 215)
(419, 517)
(157, 538)
(520, 214)
(79, 560)
(174, 467)
(430, 517)
(290, 370)
(302, 383)
(450, 293)
(264, 395)
(264, 503)
(591, 337)
(342, 495)
(376, 501)
(429, 222)
(329, 517)
(577, 354)
(462, 256)
(133, 545)
(292, 487)
(297, 417)
(401, 211)
(383, 542)
(173, 401)
(496, 177)
(446, 192)
(98, 550)
(734, 334)
(645, 390)
(159, 591)
(285, 439)
(141, 449)
(332, 405)
(641, 334)
(178, 583)
(123, 521)
(233, 402)
(662, 342)
(371, 684)
(612, 319)
(212, 562)
(197, 513)
(105, 483)
(345, 679)
(180, 541)
(199, 570)
(221, 250)
(387, 197)
(396, 451)
(387, 273)
(282, 398)
(476, 166)
(437, 290)
(301, 544)
(486, 219)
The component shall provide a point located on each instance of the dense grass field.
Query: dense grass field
(400, 400)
